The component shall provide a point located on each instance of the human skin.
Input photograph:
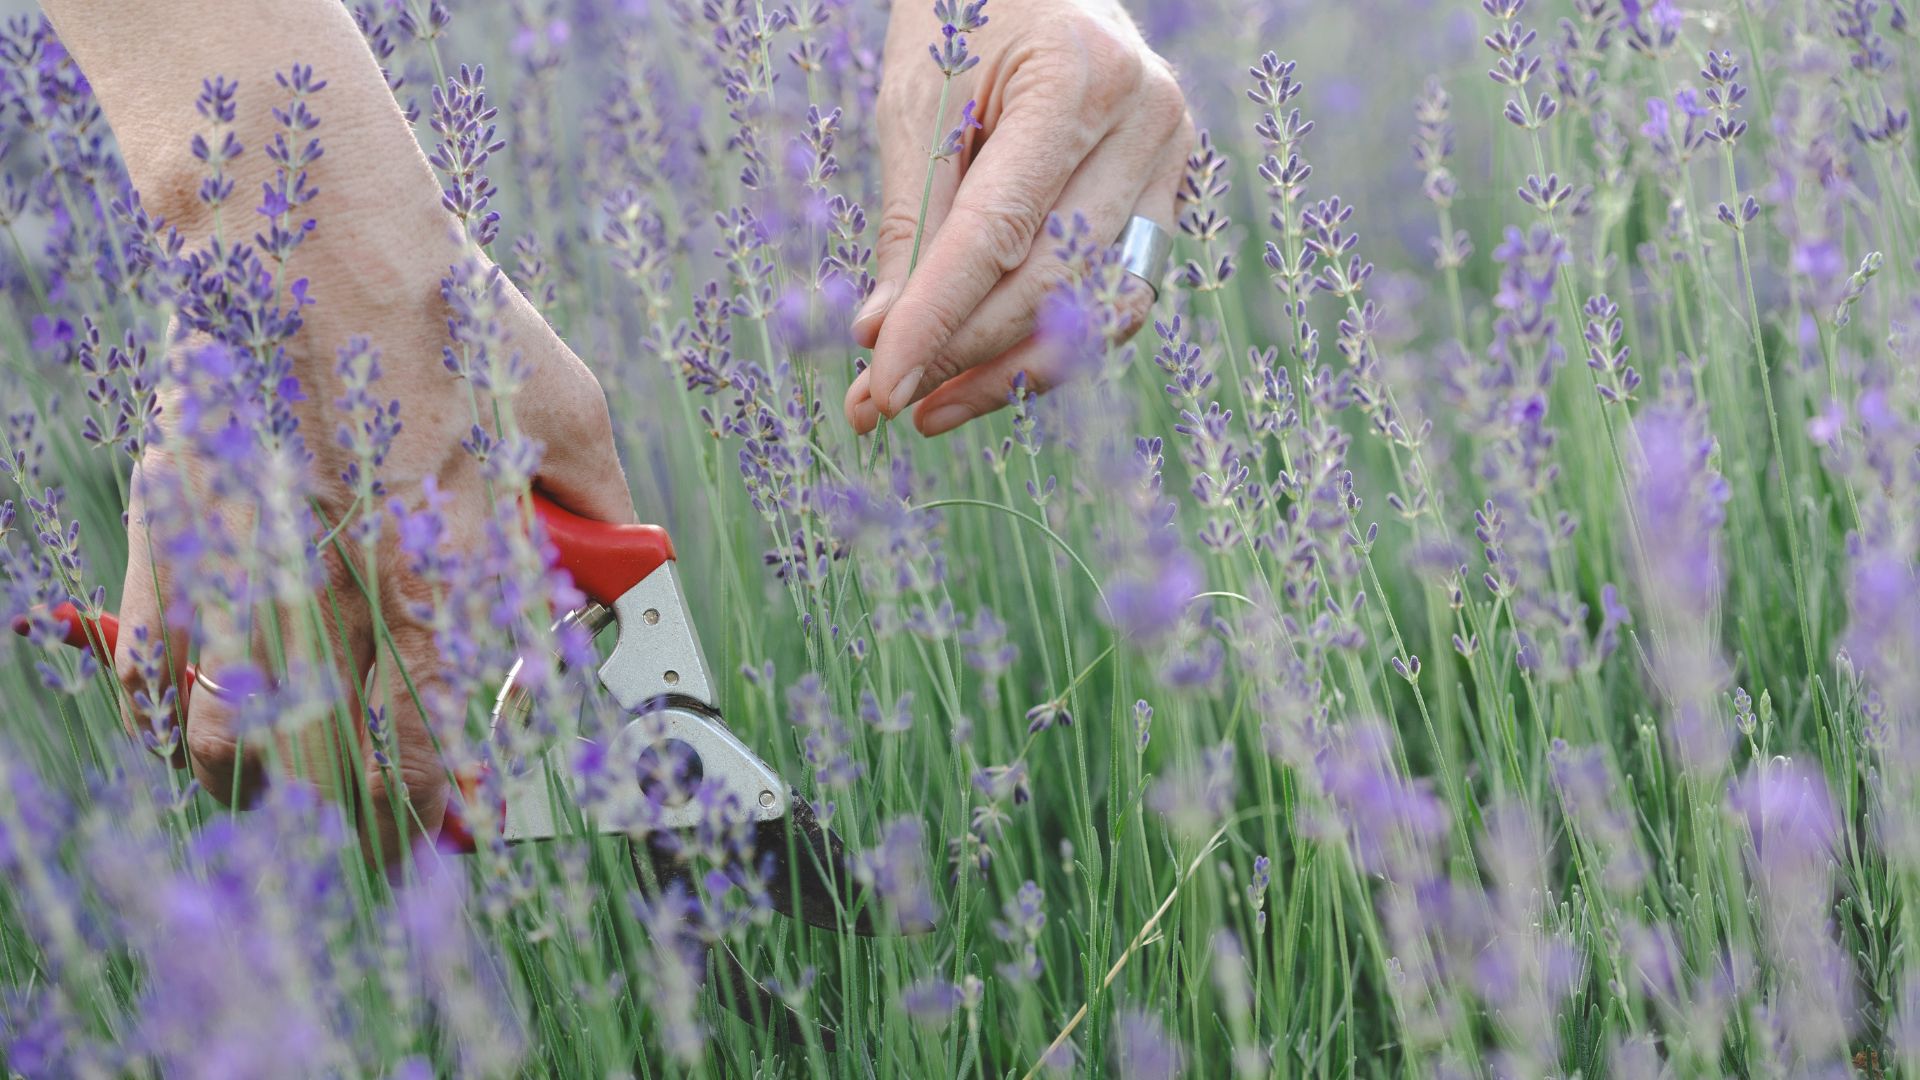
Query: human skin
(1078, 115)
(374, 267)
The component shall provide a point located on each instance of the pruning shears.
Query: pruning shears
(657, 673)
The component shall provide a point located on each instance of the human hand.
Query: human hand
(395, 666)
(1077, 114)
(373, 267)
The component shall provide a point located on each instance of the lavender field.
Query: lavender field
(1471, 630)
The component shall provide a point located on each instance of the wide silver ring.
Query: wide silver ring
(1146, 250)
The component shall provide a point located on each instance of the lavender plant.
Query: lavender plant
(1522, 686)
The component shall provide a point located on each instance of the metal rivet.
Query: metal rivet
(673, 678)
(766, 799)
(650, 616)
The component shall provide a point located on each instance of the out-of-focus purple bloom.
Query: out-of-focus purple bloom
(1790, 819)
(1679, 508)
(1396, 825)
(1022, 919)
(482, 1020)
(1195, 797)
(888, 720)
(1794, 829)
(896, 871)
(1586, 786)
(1143, 1049)
(828, 741)
(931, 1001)
(987, 649)
(674, 965)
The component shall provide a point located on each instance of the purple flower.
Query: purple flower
(1046, 715)
(1680, 511)
(987, 649)
(896, 871)
(893, 720)
(1789, 816)
(1395, 825)
(1194, 798)
(50, 334)
(464, 122)
(1021, 922)
(931, 1001)
(827, 741)
(958, 18)
(1144, 1050)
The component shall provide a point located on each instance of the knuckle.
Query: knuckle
(1162, 103)
(945, 364)
(213, 749)
(929, 317)
(1185, 138)
(423, 784)
(1115, 59)
(1111, 66)
(896, 228)
(218, 764)
(1005, 233)
(1133, 313)
(1045, 279)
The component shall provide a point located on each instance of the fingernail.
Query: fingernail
(903, 391)
(945, 419)
(866, 324)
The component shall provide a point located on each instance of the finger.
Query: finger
(862, 414)
(1115, 179)
(401, 687)
(903, 181)
(1002, 202)
(151, 655)
(1158, 205)
(228, 760)
(420, 716)
(986, 389)
(567, 413)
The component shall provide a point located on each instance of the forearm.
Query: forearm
(383, 241)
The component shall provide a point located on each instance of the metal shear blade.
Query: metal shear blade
(658, 669)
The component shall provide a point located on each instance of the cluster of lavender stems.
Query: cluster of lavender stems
(1470, 632)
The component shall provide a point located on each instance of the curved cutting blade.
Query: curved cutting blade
(656, 870)
(812, 878)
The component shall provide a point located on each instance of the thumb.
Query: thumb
(151, 655)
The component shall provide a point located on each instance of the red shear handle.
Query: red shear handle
(106, 629)
(73, 628)
(604, 560)
(74, 632)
